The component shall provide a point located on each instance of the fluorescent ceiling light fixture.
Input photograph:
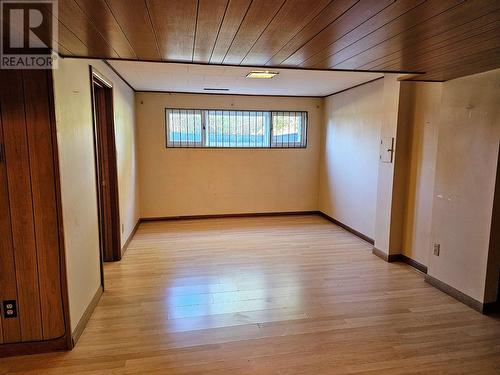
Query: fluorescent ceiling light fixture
(263, 74)
(215, 89)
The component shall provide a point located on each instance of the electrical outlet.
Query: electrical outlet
(437, 249)
(9, 309)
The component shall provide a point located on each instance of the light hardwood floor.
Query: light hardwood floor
(274, 295)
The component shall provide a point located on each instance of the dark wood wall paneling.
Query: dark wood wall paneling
(31, 258)
(11, 327)
(45, 216)
(443, 39)
(21, 205)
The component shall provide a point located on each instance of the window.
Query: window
(217, 128)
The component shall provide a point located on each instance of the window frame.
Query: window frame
(185, 144)
(269, 127)
(303, 132)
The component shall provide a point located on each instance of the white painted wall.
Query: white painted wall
(350, 154)
(451, 169)
(388, 212)
(423, 121)
(78, 184)
(467, 155)
(176, 182)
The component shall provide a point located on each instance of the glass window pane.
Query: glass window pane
(288, 129)
(237, 129)
(234, 128)
(184, 128)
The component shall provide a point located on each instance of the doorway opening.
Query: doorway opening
(493, 267)
(498, 294)
(106, 168)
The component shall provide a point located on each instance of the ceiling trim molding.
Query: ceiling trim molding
(119, 75)
(228, 94)
(353, 87)
(250, 66)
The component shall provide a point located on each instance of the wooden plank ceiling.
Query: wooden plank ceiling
(444, 39)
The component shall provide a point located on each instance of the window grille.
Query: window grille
(217, 128)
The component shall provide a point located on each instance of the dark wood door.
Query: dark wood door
(107, 178)
(31, 258)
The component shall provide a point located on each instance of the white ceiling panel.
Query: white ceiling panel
(178, 77)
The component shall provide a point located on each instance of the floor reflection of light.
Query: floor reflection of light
(189, 300)
(192, 307)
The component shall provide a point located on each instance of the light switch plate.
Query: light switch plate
(437, 249)
(386, 149)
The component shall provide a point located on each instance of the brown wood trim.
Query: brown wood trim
(280, 67)
(94, 134)
(347, 228)
(484, 308)
(418, 266)
(414, 79)
(34, 347)
(390, 258)
(395, 258)
(381, 254)
(353, 87)
(222, 216)
(127, 242)
(118, 74)
(98, 78)
(80, 327)
(228, 94)
(455, 293)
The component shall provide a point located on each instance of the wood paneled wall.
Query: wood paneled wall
(31, 258)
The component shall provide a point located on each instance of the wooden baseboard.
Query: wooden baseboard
(455, 293)
(399, 258)
(418, 266)
(222, 216)
(484, 308)
(347, 228)
(125, 245)
(387, 257)
(380, 254)
(80, 327)
(34, 347)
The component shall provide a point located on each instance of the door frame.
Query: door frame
(114, 219)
